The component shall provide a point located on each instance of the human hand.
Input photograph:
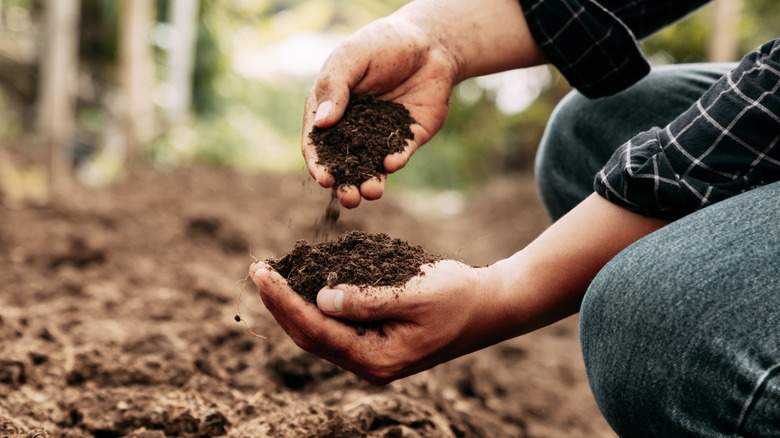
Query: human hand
(397, 61)
(414, 57)
(450, 310)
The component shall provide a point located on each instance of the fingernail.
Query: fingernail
(330, 300)
(258, 272)
(323, 111)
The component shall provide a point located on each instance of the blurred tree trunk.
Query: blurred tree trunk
(21, 81)
(6, 167)
(184, 18)
(59, 76)
(724, 26)
(136, 76)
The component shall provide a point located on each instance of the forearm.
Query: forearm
(482, 37)
(547, 280)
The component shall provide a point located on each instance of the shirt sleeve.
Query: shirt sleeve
(594, 44)
(724, 144)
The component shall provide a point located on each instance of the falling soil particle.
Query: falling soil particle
(354, 149)
(325, 226)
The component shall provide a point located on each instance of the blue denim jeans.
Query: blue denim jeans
(680, 331)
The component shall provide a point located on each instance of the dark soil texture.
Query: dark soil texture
(117, 313)
(356, 257)
(354, 149)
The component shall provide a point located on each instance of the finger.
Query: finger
(428, 106)
(318, 333)
(316, 170)
(327, 101)
(349, 195)
(395, 162)
(366, 304)
(373, 188)
(308, 327)
(258, 265)
(393, 303)
(283, 303)
(343, 69)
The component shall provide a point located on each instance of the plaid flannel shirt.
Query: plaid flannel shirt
(724, 144)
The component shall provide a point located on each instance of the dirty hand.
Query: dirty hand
(395, 60)
(450, 310)
(414, 57)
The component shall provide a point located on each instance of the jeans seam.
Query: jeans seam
(754, 396)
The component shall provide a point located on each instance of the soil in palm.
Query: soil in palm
(356, 257)
(354, 149)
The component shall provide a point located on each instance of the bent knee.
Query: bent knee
(675, 350)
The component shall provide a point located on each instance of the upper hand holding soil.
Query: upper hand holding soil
(354, 149)
(395, 61)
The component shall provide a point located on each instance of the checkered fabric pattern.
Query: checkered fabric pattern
(593, 44)
(725, 144)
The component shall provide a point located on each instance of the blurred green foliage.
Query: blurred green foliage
(686, 40)
(255, 123)
(478, 141)
(758, 23)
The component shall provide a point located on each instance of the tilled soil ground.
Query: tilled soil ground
(117, 319)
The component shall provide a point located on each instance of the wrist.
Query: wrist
(419, 23)
(479, 38)
(496, 312)
(527, 295)
(507, 279)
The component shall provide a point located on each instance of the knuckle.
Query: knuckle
(302, 341)
(379, 377)
(381, 370)
(363, 311)
(323, 85)
(359, 311)
(376, 381)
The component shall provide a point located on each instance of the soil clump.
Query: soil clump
(356, 257)
(354, 149)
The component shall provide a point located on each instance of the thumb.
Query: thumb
(331, 97)
(360, 304)
(342, 71)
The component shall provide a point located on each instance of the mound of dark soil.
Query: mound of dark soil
(356, 257)
(370, 129)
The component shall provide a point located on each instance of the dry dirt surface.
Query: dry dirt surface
(117, 319)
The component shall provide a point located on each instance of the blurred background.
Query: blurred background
(94, 90)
